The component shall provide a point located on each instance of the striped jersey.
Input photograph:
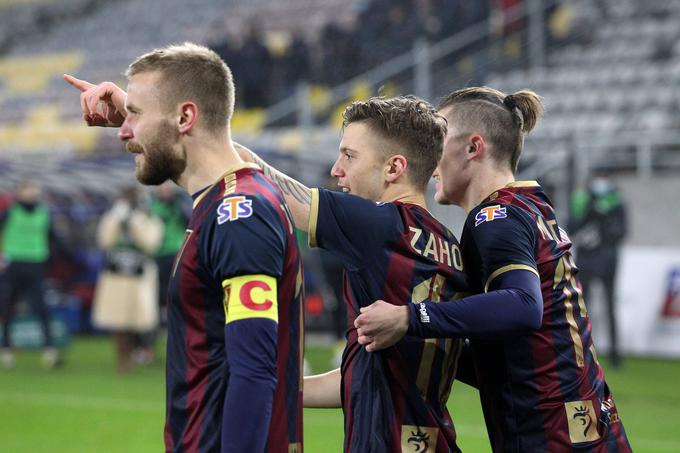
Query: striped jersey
(393, 400)
(235, 341)
(542, 390)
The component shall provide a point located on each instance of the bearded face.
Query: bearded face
(158, 158)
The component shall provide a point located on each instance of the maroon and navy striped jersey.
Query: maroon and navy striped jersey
(393, 400)
(541, 390)
(235, 338)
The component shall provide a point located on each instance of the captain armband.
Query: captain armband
(250, 296)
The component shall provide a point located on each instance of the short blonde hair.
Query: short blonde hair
(194, 73)
(411, 124)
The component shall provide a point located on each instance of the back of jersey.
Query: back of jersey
(393, 400)
(543, 390)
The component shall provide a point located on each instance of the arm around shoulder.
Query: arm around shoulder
(298, 196)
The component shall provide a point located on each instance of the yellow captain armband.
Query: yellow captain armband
(250, 296)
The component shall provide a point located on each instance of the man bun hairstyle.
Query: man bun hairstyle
(503, 119)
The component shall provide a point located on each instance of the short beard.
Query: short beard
(160, 162)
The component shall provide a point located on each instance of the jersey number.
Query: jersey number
(573, 295)
(432, 289)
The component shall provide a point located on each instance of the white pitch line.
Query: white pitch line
(82, 402)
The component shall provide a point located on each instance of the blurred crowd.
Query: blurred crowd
(95, 263)
(378, 31)
(88, 263)
(268, 66)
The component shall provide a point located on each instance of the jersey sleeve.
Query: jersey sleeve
(243, 235)
(351, 227)
(245, 244)
(504, 238)
(250, 338)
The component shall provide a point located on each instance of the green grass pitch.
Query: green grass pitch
(86, 407)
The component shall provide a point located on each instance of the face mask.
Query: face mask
(600, 186)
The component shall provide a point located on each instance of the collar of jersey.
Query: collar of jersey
(494, 194)
(202, 193)
(522, 184)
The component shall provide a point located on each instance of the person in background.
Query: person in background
(26, 232)
(126, 293)
(598, 227)
(173, 212)
(171, 209)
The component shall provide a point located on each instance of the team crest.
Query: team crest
(234, 208)
(582, 421)
(419, 439)
(490, 213)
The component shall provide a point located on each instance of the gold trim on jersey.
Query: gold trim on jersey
(494, 194)
(453, 347)
(592, 351)
(430, 288)
(563, 274)
(582, 421)
(295, 448)
(313, 217)
(522, 184)
(229, 180)
(301, 341)
(504, 269)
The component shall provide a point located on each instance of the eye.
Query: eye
(347, 156)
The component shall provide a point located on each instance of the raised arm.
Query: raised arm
(103, 104)
(298, 196)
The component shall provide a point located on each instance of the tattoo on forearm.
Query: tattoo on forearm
(288, 185)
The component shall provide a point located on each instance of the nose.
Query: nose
(125, 131)
(336, 170)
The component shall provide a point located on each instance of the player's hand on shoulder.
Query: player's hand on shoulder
(103, 104)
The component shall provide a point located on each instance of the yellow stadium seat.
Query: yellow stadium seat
(248, 121)
(31, 74)
(45, 130)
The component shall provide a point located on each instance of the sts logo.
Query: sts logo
(234, 208)
(490, 213)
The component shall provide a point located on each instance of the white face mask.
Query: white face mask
(600, 186)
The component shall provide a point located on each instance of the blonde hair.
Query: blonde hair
(503, 119)
(410, 123)
(190, 72)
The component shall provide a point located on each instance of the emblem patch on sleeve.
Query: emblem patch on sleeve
(490, 213)
(234, 208)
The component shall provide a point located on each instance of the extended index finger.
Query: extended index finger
(82, 85)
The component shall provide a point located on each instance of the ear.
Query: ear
(396, 166)
(188, 117)
(476, 147)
